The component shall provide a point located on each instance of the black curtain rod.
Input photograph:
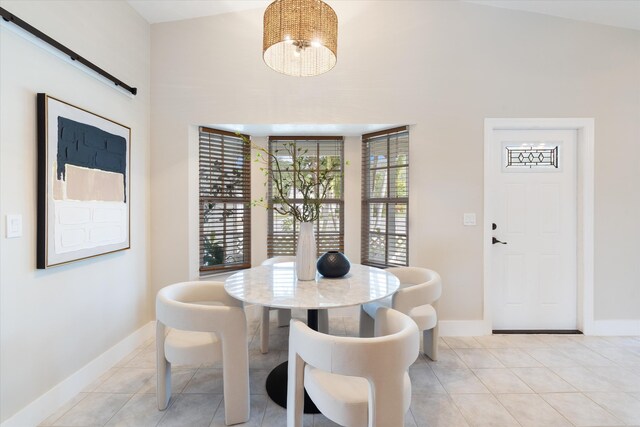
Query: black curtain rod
(10, 17)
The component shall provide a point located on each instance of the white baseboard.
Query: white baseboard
(464, 328)
(614, 328)
(461, 328)
(38, 410)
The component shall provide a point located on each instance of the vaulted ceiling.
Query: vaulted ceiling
(618, 13)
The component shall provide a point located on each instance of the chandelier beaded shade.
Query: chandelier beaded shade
(300, 37)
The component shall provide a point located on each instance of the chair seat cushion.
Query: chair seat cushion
(192, 348)
(342, 398)
(425, 316)
(371, 307)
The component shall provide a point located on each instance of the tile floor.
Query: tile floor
(500, 380)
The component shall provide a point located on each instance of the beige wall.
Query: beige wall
(53, 322)
(442, 67)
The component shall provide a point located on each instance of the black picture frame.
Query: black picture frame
(84, 184)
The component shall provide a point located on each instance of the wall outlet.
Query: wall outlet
(14, 226)
(469, 219)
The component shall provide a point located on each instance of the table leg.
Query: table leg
(312, 319)
(278, 378)
(277, 389)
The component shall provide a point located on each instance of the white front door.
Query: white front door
(532, 196)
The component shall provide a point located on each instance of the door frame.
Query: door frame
(585, 159)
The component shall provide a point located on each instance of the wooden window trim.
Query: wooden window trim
(387, 132)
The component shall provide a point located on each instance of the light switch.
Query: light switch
(469, 219)
(14, 226)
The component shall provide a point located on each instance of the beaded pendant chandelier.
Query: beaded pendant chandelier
(300, 37)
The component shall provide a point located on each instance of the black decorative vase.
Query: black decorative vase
(333, 264)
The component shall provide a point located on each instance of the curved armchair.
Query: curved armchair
(420, 289)
(198, 322)
(355, 382)
(284, 315)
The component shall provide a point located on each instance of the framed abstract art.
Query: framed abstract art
(84, 184)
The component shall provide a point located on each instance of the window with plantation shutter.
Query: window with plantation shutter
(329, 228)
(225, 201)
(385, 198)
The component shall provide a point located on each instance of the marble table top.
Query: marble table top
(276, 286)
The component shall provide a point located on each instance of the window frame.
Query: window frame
(244, 197)
(387, 201)
(321, 245)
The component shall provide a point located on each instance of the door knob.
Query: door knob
(494, 241)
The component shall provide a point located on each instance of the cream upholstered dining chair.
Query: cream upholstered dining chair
(284, 314)
(354, 382)
(420, 289)
(198, 322)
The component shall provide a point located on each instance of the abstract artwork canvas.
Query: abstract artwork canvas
(83, 183)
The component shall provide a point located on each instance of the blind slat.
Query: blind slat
(225, 188)
(329, 229)
(385, 203)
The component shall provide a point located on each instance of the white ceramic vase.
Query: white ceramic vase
(306, 252)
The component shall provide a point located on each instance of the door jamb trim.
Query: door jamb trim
(585, 150)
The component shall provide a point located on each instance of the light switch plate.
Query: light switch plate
(469, 219)
(14, 226)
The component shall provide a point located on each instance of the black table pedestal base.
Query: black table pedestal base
(277, 389)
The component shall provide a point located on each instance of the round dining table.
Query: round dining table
(277, 286)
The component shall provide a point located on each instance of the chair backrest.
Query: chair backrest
(383, 361)
(202, 306)
(418, 286)
(278, 259)
(389, 353)
(199, 306)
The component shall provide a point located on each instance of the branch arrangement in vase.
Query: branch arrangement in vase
(300, 181)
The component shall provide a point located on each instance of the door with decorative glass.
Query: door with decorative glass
(532, 200)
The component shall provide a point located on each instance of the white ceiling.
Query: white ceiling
(155, 11)
(618, 13)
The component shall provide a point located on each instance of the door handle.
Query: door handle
(494, 241)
